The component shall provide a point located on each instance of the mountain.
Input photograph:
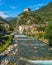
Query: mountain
(42, 15)
(2, 20)
(13, 22)
(9, 18)
(4, 25)
(28, 18)
(45, 12)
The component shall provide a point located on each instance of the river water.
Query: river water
(34, 50)
(30, 49)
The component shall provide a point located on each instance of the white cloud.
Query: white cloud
(37, 6)
(12, 7)
(2, 14)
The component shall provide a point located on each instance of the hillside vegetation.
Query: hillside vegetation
(2, 20)
(45, 13)
(13, 22)
(42, 15)
(4, 42)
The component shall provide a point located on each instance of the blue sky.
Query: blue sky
(11, 8)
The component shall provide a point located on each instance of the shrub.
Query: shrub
(6, 40)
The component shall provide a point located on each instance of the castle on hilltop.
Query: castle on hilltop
(27, 10)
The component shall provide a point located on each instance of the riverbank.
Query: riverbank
(9, 49)
(5, 42)
(26, 48)
(40, 39)
(43, 40)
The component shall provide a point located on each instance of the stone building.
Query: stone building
(27, 10)
(5, 25)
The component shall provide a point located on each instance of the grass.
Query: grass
(6, 40)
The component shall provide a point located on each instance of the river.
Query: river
(30, 49)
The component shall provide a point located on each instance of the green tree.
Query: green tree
(1, 28)
(48, 33)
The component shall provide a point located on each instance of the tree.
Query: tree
(48, 33)
(1, 28)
